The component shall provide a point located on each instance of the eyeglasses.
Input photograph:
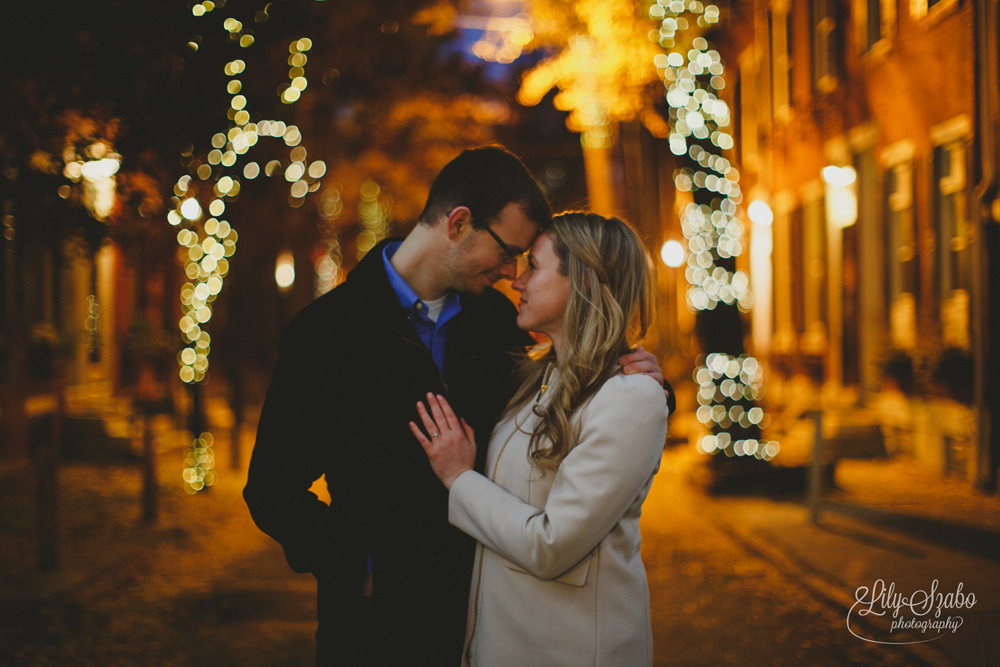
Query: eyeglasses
(510, 255)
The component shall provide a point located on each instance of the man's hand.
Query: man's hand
(641, 361)
(451, 447)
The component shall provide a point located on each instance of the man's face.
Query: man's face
(479, 260)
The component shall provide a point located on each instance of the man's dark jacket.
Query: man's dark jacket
(350, 370)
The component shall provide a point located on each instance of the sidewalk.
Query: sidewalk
(899, 495)
(886, 520)
(895, 493)
(201, 585)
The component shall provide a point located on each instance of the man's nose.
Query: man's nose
(509, 271)
(518, 283)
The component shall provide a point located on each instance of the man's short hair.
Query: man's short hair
(486, 180)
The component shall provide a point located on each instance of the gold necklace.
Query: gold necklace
(545, 382)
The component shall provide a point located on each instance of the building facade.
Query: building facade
(869, 129)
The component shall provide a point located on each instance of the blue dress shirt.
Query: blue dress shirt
(431, 333)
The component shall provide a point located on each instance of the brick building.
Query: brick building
(869, 127)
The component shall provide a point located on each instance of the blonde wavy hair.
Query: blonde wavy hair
(608, 311)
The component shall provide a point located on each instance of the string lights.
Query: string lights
(329, 259)
(374, 211)
(207, 241)
(729, 386)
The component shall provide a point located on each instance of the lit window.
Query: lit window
(780, 23)
(921, 8)
(901, 278)
(875, 20)
(952, 260)
(827, 45)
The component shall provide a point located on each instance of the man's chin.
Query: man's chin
(489, 282)
(475, 289)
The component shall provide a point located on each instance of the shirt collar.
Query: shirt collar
(407, 297)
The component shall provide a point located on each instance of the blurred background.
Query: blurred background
(816, 180)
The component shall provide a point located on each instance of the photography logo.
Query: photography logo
(931, 613)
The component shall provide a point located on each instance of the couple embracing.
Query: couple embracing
(485, 502)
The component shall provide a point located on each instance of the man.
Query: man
(414, 316)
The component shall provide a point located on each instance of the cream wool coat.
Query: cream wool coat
(558, 577)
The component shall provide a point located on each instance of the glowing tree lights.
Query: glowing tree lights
(725, 385)
(207, 241)
(374, 209)
(606, 62)
(328, 259)
(730, 381)
(598, 44)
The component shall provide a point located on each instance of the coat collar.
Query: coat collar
(376, 300)
(369, 278)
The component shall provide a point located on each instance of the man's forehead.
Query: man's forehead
(524, 244)
(514, 219)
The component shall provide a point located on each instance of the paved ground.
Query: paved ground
(734, 580)
(749, 581)
(203, 586)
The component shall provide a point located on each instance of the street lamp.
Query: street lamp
(761, 248)
(672, 254)
(284, 271)
(96, 168)
(841, 195)
(760, 213)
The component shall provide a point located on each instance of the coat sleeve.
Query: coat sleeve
(293, 449)
(619, 450)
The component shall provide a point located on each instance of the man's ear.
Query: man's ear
(459, 223)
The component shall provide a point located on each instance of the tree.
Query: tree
(730, 380)
(602, 61)
(351, 107)
(329, 122)
(85, 136)
(607, 56)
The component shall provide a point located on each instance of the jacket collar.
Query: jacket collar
(370, 279)
(376, 299)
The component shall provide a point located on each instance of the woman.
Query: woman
(558, 578)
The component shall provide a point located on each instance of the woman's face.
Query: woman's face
(544, 291)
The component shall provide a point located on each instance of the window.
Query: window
(873, 23)
(779, 19)
(875, 20)
(747, 100)
(921, 8)
(901, 277)
(814, 268)
(787, 279)
(737, 119)
(952, 233)
(790, 50)
(796, 265)
(827, 45)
